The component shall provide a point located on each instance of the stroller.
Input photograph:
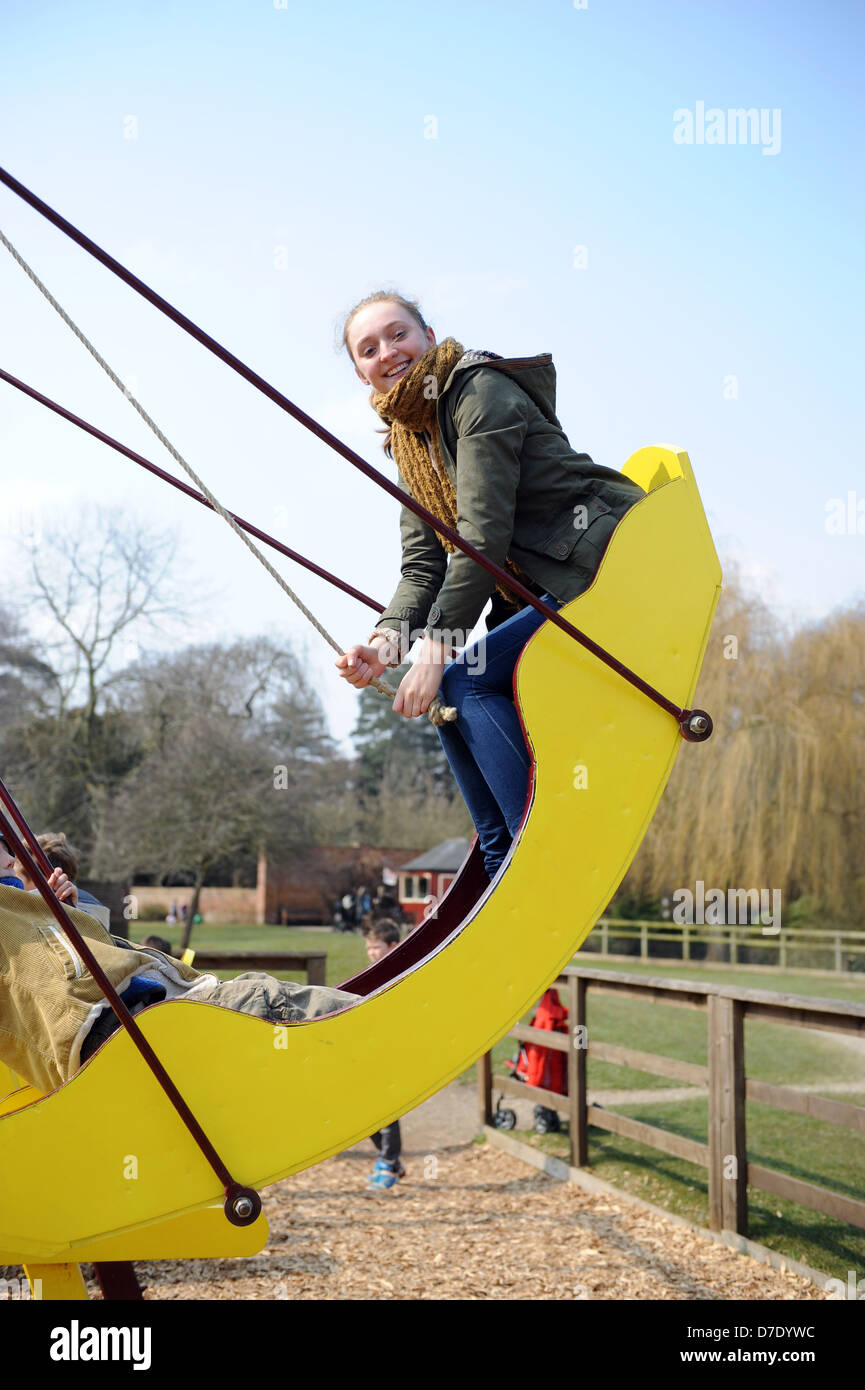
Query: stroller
(540, 1066)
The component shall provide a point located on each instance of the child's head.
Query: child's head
(158, 943)
(380, 939)
(384, 336)
(60, 855)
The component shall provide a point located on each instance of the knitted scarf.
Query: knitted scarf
(410, 409)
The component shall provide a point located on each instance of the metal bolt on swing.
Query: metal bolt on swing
(696, 725)
(242, 1205)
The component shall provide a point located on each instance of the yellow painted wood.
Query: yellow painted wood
(203, 1234)
(273, 1100)
(62, 1283)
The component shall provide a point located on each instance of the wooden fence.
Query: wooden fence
(725, 1154)
(842, 951)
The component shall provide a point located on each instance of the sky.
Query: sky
(542, 176)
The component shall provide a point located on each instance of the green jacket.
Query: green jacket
(521, 490)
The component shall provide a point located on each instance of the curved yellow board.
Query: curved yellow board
(105, 1157)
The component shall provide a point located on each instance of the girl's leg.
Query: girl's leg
(485, 747)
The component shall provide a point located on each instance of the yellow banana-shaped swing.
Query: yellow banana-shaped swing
(135, 1187)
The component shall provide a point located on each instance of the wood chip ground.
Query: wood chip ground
(485, 1226)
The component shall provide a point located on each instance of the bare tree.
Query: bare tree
(235, 742)
(93, 589)
(99, 584)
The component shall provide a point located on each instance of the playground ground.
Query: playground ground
(468, 1222)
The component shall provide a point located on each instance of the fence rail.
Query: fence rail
(725, 1153)
(845, 949)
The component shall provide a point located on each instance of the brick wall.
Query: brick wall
(216, 905)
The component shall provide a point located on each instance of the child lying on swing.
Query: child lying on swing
(53, 1015)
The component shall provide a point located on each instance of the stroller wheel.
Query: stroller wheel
(546, 1121)
(504, 1118)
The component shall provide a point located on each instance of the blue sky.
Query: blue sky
(279, 169)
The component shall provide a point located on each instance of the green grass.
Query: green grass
(803, 1148)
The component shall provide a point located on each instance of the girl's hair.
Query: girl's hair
(410, 306)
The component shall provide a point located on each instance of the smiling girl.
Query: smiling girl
(476, 440)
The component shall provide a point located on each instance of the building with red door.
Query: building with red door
(424, 880)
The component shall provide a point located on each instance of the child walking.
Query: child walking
(380, 939)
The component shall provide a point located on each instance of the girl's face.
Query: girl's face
(385, 342)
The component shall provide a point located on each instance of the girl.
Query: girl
(476, 440)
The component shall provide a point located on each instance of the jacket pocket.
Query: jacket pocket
(572, 531)
(61, 953)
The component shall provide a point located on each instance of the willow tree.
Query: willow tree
(776, 798)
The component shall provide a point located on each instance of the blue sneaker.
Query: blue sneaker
(381, 1181)
(385, 1175)
(382, 1166)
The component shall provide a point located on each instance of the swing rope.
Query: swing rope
(438, 713)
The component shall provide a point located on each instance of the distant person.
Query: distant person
(358, 906)
(348, 911)
(380, 940)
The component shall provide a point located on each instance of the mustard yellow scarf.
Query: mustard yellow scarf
(410, 409)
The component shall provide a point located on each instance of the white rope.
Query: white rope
(381, 686)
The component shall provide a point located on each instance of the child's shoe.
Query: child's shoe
(385, 1176)
(382, 1166)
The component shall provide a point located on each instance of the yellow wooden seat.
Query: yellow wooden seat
(133, 1184)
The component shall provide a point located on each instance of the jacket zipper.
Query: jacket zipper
(63, 942)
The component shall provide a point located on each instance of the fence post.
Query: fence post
(728, 1159)
(605, 938)
(644, 941)
(838, 952)
(577, 1096)
(734, 946)
(485, 1088)
(782, 949)
(686, 943)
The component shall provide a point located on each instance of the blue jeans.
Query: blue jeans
(485, 746)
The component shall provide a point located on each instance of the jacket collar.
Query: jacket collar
(536, 375)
